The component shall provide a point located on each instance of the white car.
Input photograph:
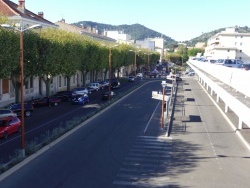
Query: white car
(95, 86)
(229, 62)
(139, 75)
(80, 91)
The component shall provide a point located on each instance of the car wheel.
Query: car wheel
(19, 129)
(28, 113)
(5, 135)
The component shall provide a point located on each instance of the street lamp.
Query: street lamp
(163, 84)
(21, 31)
(135, 59)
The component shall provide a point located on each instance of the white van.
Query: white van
(230, 62)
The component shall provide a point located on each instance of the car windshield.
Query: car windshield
(220, 61)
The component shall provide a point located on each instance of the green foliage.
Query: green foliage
(9, 53)
(193, 52)
(3, 18)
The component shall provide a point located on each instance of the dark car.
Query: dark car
(131, 78)
(115, 84)
(9, 125)
(64, 95)
(16, 108)
(107, 95)
(80, 99)
(47, 101)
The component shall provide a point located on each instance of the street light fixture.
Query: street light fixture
(135, 59)
(21, 31)
(163, 84)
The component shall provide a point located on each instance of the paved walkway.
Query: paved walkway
(232, 118)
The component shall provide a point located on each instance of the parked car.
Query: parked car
(154, 74)
(64, 95)
(7, 113)
(95, 86)
(245, 66)
(107, 95)
(115, 84)
(229, 62)
(16, 108)
(80, 91)
(140, 75)
(47, 101)
(210, 60)
(9, 125)
(131, 78)
(104, 84)
(80, 99)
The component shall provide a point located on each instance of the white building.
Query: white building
(117, 35)
(229, 44)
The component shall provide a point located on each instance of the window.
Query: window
(31, 82)
(65, 81)
(240, 51)
(5, 86)
(60, 81)
(241, 43)
(228, 50)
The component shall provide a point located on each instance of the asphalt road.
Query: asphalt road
(96, 150)
(45, 119)
(112, 151)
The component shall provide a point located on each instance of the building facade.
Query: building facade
(229, 44)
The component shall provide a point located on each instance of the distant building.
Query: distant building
(148, 44)
(229, 44)
(117, 35)
(20, 17)
(90, 32)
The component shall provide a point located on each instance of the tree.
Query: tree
(194, 51)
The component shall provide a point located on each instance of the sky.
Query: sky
(179, 19)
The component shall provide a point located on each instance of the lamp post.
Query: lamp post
(21, 31)
(163, 84)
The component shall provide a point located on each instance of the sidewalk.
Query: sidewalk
(244, 133)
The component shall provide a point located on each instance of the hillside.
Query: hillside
(205, 36)
(139, 32)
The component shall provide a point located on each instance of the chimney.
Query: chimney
(40, 14)
(21, 6)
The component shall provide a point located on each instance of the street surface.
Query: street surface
(111, 150)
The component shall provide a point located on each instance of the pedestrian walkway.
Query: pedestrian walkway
(232, 118)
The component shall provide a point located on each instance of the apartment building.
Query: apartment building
(229, 44)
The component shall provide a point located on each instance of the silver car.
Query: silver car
(7, 113)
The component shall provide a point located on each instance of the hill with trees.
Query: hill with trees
(139, 32)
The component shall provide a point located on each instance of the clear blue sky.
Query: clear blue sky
(179, 19)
